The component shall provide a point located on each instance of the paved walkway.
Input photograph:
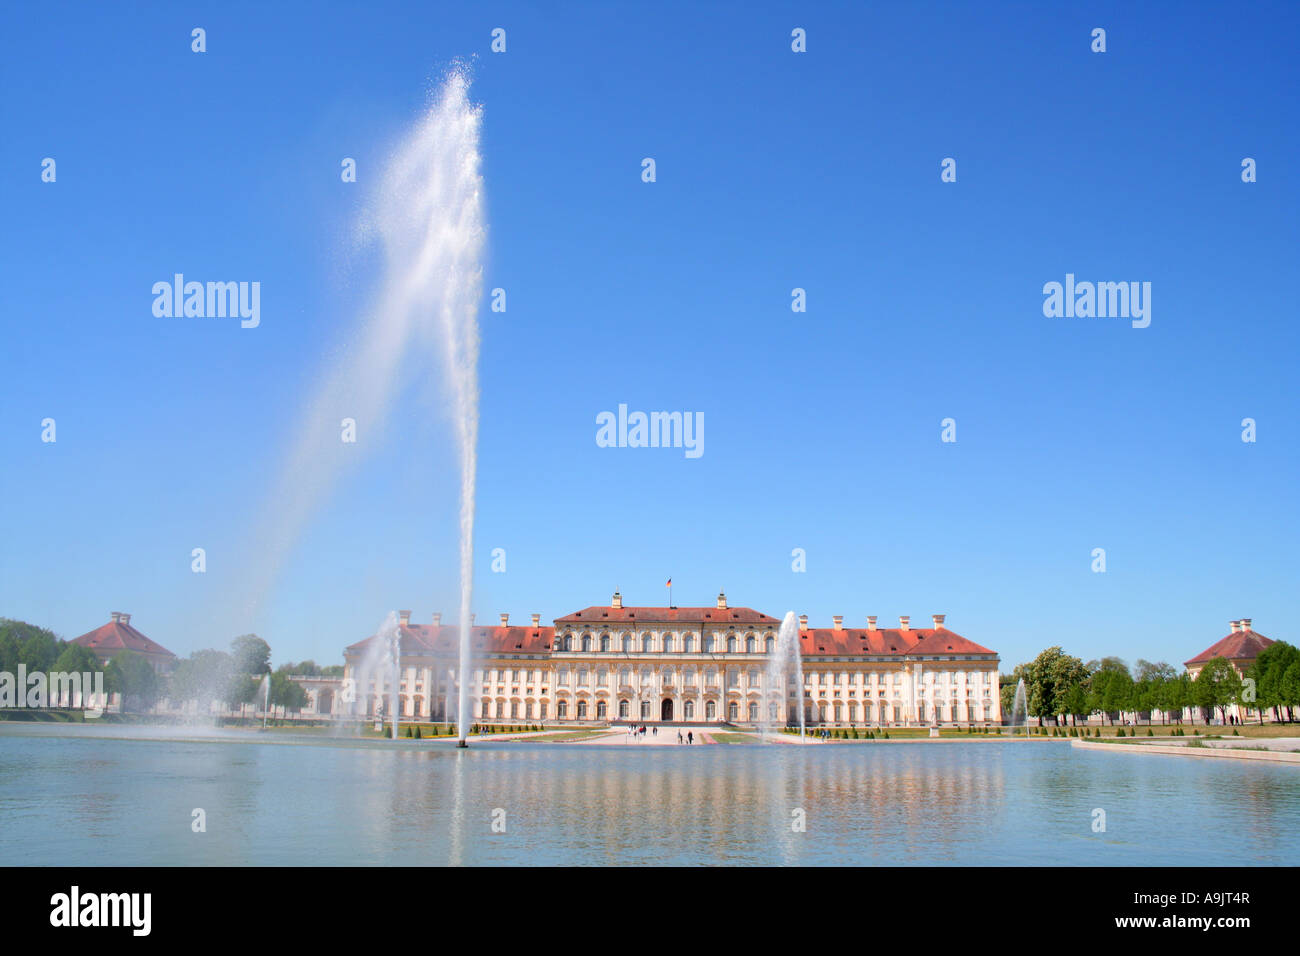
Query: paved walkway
(667, 737)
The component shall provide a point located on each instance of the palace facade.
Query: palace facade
(682, 665)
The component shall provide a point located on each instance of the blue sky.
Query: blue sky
(775, 170)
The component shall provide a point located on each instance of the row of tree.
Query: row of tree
(1060, 686)
(232, 677)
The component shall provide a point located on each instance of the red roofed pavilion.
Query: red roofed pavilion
(118, 635)
(1240, 647)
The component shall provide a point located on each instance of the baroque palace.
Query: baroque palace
(684, 665)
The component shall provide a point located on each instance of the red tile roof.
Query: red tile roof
(444, 640)
(1239, 645)
(667, 615)
(116, 636)
(858, 642)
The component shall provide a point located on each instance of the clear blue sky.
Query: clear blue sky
(776, 170)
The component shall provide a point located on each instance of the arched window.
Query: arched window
(586, 643)
(770, 645)
(731, 643)
(708, 643)
(647, 643)
(604, 642)
(753, 712)
(600, 710)
(627, 643)
(710, 710)
(623, 711)
(568, 642)
(689, 709)
(751, 645)
(733, 711)
(561, 709)
(582, 710)
(668, 643)
(645, 710)
(688, 643)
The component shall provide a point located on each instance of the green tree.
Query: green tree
(1290, 689)
(1048, 679)
(251, 654)
(10, 652)
(39, 651)
(243, 689)
(285, 693)
(203, 677)
(75, 659)
(1217, 686)
(130, 675)
(1178, 695)
(1268, 672)
(1110, 687)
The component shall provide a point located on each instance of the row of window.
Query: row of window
(670, 644)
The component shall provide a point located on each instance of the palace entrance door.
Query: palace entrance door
(666, 711)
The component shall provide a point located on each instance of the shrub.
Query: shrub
(1149, 733)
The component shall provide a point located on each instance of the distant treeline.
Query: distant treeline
(1060, 686)
(232, 677)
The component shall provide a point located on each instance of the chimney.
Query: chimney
(722, 600)
(117, 616)
(437, 619)
(404, 617)
(838, 621)
(902, 622)
(537, 620)
(126, 619)
(803, 622)
(1233, 625)
(616, 600)
(938, 620)
(1245, 623)
(505, 620)
(871, 622)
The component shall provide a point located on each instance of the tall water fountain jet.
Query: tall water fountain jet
(1019, 706)
(266, 698)
(427, 214)
(432, 224)
(381, 663)
(786, 660)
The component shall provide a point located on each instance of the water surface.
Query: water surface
(125, 796)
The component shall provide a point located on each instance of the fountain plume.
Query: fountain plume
(427, 214)
(786, 660)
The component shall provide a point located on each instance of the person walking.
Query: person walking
(690, 737)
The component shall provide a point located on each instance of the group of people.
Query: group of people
(635, 732)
